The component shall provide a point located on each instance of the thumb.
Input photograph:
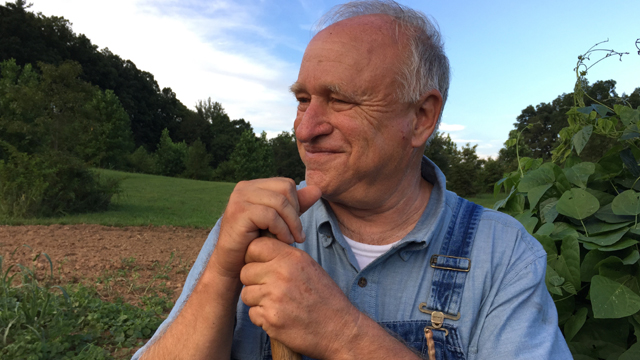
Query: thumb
(308, 196)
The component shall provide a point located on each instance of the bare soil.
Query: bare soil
(127, 262)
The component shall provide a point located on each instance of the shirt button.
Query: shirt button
(362, 282)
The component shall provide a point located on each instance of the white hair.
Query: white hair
(426, 66)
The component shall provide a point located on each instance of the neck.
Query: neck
(389, 222)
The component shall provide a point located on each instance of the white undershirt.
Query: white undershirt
(366, 253)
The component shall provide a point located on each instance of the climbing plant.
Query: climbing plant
(585, 215)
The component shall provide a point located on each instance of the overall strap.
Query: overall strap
(452, 264)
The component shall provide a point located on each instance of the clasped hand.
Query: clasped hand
(289, 294)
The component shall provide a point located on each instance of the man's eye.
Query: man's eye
(302, 100)
(339, 101)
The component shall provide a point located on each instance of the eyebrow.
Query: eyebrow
(297, 87)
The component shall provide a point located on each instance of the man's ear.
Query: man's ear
(428, 110)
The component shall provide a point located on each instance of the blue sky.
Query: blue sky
(504, 55)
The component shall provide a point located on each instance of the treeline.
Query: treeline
(66, 106)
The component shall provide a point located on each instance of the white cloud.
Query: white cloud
(190, 53)
(451, 127)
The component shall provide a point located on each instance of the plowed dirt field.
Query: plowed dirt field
(126, 262)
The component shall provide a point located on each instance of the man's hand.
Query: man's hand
(295, 301)
(271, 204)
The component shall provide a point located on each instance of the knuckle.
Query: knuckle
(282, 201)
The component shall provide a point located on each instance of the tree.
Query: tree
(441, 150)
(171, 156)
(56, 111)
(32, 38)
(492, 171)
(286, 158)
(464, 175)
(197, 162)
(251, 159)
(222, 134)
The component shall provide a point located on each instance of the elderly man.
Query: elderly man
(385, 263)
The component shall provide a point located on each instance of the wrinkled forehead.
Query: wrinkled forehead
(376, 31)
(371, 42)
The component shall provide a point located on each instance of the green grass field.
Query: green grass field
(487, 200)
(153, 200)
(159, 200)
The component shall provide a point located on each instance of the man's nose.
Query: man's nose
(313, 122)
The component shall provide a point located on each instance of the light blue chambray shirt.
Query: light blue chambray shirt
(506, 311)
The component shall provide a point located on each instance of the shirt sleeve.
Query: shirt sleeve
(522, 322)
(193, 277)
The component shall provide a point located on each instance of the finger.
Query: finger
(283, 186)
(262, 250)
(253, 273)
(268, 218)
(287, 210)
(256, 315)
(252, 295)
(308, 196)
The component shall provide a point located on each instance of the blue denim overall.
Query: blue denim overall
(449, 266)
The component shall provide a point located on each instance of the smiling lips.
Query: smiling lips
(312, 152)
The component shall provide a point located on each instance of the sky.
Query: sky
(505, 55)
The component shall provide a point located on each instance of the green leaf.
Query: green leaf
(603, 197)
(545, 229)
(597, 227)
(503, 202)
(606, 214)
(548, 212)
(527, 220)
(515, 205)
(563, 229)
(632, 354)
(579, 173)
(580, 139)
(556, 280)
(605, 239)
(630, 162)
(549, 246)
(536, 193)
(535, 178)
(628, 116)
(636, 325)
(632, 258)
(570, 254)
(497, 186)
(630, 132)
(511, 142)
(551, 277)
(584, 110)
(577, 204)
(622, 244)
(606, 336)
(600, 109)
(575, 322)
(611, 299)
(588, 268)
(626, 203)
(611, 164)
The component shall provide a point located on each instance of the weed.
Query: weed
(53, 322)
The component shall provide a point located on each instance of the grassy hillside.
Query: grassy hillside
(159, 200)
(153, 200)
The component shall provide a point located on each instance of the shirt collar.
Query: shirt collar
(430, 223)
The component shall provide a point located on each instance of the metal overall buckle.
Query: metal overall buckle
(437, 318)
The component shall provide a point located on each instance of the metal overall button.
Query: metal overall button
(437, 318)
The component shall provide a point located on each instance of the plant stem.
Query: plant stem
(585, 228)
